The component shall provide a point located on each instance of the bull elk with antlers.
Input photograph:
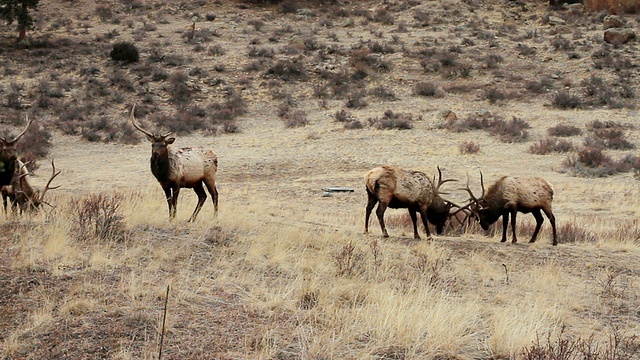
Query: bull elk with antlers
(391, 186)
(22, 194)
(510, 195)
(9, 155)
(181, 168)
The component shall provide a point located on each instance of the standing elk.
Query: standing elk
(22, 194)
(8, 156)
(181, 168)
(510, 195)
(391, 186)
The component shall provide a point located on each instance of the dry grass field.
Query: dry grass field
(295, 97)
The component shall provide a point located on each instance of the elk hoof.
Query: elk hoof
(503, 240)
(385, 235)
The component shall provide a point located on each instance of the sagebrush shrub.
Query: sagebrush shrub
(564, 100)
(98, 216)
(564, 130)
(550, 145)
(125, 52)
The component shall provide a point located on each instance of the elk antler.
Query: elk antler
(19, 135)
(133, 121)
(473, 199)
(47, 186)
(481, 184)
(440, 181)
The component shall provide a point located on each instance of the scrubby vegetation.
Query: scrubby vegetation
(296, 97)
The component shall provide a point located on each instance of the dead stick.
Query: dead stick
(164, 319)
(506, 271)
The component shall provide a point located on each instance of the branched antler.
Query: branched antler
(48, 186)
(148, 133)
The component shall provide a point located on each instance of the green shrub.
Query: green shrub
(125, 52)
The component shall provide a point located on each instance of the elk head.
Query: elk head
(8, 150)
(36, 199)
(159, 142)
(478, 206)
(438, 212)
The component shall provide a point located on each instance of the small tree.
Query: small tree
(18, 10)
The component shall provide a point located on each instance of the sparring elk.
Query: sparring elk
(510, 195)
(22, 194)
(181, 168)
(9, 155)
(397, 188)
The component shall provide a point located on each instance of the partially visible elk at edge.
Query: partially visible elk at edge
(181, 168)
(22, 194)
(8, 156)
(397, 188)
(510, 195)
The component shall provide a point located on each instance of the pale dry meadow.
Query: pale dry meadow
(282, 271)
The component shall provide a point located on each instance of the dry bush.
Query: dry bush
(288, 70)
(391, 121)
(354, 125)
(539, 86)
(216, 50)
(362, 59)
(178, 89)
(593, 162)
(469, 147)
(180, 122)
(356, 99)
(493, 95)
(342, 116)
(514, 130)
(383, 93)
(257, 24)
(471, 122)
(98, 216)
(564, 130)
(549, 145)
(296, 118)
(618, 347)
(261, 52)
(564, 100)
(609, 135)
(349, 260)
(427, 89)
(570, 232)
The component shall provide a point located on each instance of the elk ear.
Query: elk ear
(170, 140)
(150, 137)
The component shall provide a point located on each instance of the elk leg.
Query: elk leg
(214, 195)
(382, 207)
(202, 197)
(513, 225)
(174, 202)
(505, 223)
(414, 220)
(169, 196)
(423, 215)
(370, 204)
(539, 220)
(552, 220)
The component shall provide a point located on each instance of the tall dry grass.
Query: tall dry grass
(457, 297)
